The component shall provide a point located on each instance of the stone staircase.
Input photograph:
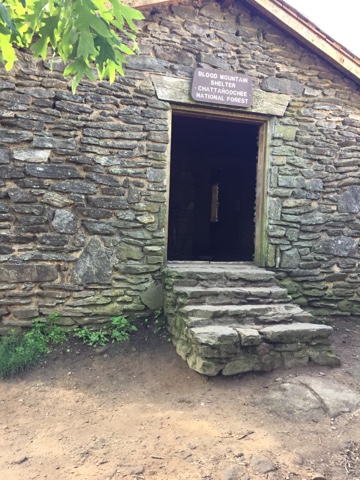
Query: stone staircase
(234, 318)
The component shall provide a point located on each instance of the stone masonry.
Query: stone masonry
(233, 318)
(83, 184)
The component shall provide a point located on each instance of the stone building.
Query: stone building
(92, 212)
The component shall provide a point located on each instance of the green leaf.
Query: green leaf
(47, 33)
(4, 30)
(122, 12)
(82, 32)
(105, 52)
(69, 43)
(4, 16)
(35, 16)
(100, 26)
(128, 12)
(86, 46)
(40, 47)
(8, 55)
(78, 68)
(125, 49)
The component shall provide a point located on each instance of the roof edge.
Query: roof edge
(292, 21)
(308, 33)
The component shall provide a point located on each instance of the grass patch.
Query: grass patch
(118, 331)
(21, 351)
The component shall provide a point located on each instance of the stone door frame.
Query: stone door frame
(264, 124)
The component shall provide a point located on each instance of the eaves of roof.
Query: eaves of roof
(296, 24)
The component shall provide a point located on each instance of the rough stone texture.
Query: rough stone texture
(56, 200)
(335, 398)
(235, 472)
(340, 246)
(27, 273)
(103, 153)
(291, 333)
(256, 334)
(349, 201)
(51, 171)
(153, 297)
(30, 155)
(261, 464)
(93, 265)
(249, 336)
(29, 313)
(309, 398)
(282, 85)
(64, 222)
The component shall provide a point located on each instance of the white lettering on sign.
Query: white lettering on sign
(208, 96)
(208, 75)
(227, 88)
(234, 79)
(240, 101)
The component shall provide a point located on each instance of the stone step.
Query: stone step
(218, 275)
(242, 314)
(247, 335)
(232, 350)
(230, 295)
(233, 318)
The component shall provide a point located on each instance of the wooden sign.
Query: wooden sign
(222, 87)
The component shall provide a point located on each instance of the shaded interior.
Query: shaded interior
(212, 189)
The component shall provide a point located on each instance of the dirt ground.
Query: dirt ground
(136, 411)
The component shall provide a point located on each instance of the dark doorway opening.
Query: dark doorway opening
(212, 189)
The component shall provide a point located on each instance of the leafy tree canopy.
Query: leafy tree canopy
(84, 33)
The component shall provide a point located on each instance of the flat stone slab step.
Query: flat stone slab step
(241, 314)
(232, 295)
(220, 272)
(301, 332)
(178, 265)
(232, 350)
(292, 333)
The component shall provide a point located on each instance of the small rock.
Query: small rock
(273, 476)
(299, 460)
(235, 473)
(206, 476)
(20, 461)
(101, 350)
(137, 470)
(238, 454)
(185, 455)
(262, 464)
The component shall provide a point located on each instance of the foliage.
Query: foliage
(92, 337)
(84, 33)
(19, 352)
(55, 334)
(118, 331)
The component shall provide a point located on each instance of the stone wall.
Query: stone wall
(82, 196)
(83, 177)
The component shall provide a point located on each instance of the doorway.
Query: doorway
(213, 179)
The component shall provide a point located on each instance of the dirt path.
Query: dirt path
(138, 412)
